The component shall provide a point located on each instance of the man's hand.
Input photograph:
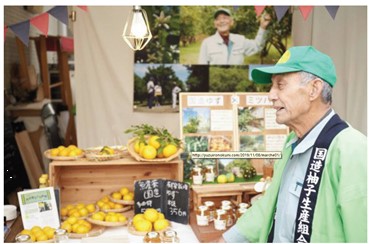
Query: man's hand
(265, 20)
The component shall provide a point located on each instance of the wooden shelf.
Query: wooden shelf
(87, 181)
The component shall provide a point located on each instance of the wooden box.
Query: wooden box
(88, 181)
(235, 191)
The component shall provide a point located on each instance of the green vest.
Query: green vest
(341, 210)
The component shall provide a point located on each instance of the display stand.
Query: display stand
(88, 181)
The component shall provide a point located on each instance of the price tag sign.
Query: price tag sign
(167, 196)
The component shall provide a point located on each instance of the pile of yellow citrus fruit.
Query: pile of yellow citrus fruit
(150, 150)
(37, 233)
(151, 219)
(70, 151)
(151, 142)
(78, 210)
(105, 204)
(75, 225)
(123, 194)
(109, 217)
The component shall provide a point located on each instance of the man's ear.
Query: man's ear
(316, 89)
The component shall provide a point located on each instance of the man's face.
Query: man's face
(223, 23)
(290, 98)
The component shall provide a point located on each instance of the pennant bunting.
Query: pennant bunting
(5, 30)
(85, 8)
(259, 10)
(280, 11)
(60, 13)
(332, 10)
(67, 44)
(41, 22)
(305, 11)
(22, 31)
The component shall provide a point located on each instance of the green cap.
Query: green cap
(301, 58)
(224, 11)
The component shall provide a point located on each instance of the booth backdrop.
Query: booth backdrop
(104, 70)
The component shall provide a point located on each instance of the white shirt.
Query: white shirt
(214, 51)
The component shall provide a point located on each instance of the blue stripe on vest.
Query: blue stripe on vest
(313, 176)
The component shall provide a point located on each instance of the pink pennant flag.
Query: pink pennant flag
(41, 22)
(67, 44)
(85, 8)
(259, 10)
(5, 30)
(305, 11)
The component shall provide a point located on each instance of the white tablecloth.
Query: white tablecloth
(121, 235)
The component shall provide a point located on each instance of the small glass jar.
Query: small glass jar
(230, 215)
(220, 219)
(170, 236)
(211, 208)
(202, 216)
(43, 182)
(209, 173)
(225, 203)
(60, 236)
(240, 212)
(197, 176)
(243, 205)
(152, 237)
(23, 238)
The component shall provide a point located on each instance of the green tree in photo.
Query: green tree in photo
(230, 78)
(192, 126)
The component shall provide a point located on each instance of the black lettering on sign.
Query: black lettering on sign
(167, 196)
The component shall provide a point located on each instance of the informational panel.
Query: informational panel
(230, 122)
(167, 196)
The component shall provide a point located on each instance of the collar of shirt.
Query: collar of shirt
(309, 139)
(218, 37)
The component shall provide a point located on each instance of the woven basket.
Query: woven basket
(137, 157)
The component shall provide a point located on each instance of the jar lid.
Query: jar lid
(203, 208)
(170, 233)
(209, 203)
(152, 234)
(60, 232)
(220, 211)
(22, 238)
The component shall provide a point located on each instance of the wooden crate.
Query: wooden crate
(234, 191)
(88, 181)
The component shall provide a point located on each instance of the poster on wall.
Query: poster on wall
(205, 49)
(229, 122)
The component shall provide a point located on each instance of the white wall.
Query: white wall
(103, 60)
(345, 40)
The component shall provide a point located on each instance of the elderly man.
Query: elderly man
(319, 188)
(228, 48)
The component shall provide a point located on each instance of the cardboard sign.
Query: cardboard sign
(167, 196)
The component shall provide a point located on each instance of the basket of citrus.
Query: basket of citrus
(153, 144)
(79, 228)
(38, 234)
(70, 152)
(110, 219)
(150, 220)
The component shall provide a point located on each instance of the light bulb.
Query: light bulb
(139, 28)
